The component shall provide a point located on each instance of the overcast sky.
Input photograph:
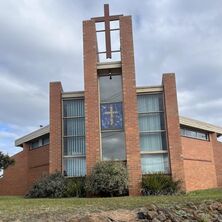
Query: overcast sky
(41, 41)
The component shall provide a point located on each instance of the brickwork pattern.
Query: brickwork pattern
(217, 149)
(92, 123)
(29, 166)
(199, 164)
(130, 106)
(55, 111)
(173, 127)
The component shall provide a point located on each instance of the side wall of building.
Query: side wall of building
(130, 106)
(199, 164)
(29, 166)
(92, 122)
(55, 115)
(14, 180)
(173, 127)
(38, 164)
(217, 148)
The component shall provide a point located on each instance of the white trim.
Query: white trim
(40, 132)
(200, 125)
(109, 65)
(154, 152)
(149, 89)
(73, 94)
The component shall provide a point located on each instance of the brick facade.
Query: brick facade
(55, 115)
(217, 152)
(92, 124)
(197, 163)
(173, 126)
(198, 155)
(130, 106)
(29, 166)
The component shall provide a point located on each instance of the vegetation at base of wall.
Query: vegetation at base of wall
(75, 187)
(159, 184)
(107, 179)
(57, 186)
(53, 185)
(5, 161)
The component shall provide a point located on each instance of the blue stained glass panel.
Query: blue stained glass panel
(111, 116)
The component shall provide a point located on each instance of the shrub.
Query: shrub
(53, 185)
(107, 179)
(75, 187)
(159, 184)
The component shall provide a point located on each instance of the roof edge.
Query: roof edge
(200, 125)
(37, 133)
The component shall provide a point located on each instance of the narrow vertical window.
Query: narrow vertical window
(74, 150)
(111, 118)
(153, 145)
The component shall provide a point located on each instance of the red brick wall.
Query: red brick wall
(217, 148)
(92, 124)
(38, 164)
(198, 164)
(173, 126)
(29, 166)
(130, 106)
(55, 110)
(14, 181)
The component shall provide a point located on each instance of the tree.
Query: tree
(5, 161)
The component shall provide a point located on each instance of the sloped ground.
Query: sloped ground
(196, 206)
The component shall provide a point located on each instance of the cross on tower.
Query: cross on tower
(107, 18)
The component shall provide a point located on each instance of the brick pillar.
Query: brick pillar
(55, 149)
(92, 123)
(130, 106)
(217, 152)
(173, 127)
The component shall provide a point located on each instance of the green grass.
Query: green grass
(12, 208)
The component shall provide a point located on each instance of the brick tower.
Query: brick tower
(110, 95)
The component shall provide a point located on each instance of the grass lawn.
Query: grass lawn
(12, 208)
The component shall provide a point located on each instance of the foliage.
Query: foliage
(53, 185)
(159, 184)
(5, 161)
(57, 186)
(107, 179)
(75, 187)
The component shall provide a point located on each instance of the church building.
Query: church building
(114, 120)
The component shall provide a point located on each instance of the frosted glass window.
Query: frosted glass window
(74, 146)
(151, 122)
(74, 137)
(75, 167)
(73, 108)
(154, 163)
(110, 89)
(150, 103)
(153, 141)
(113, 146)
(194, 133)
(74, 127)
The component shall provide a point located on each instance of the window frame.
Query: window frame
(105, 73)
(155, 152)
(196, 130)
(68, 136)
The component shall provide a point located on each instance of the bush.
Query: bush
(159, 184)
(56, 185)
(108, 179)
(75, 187)
(53, 185)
